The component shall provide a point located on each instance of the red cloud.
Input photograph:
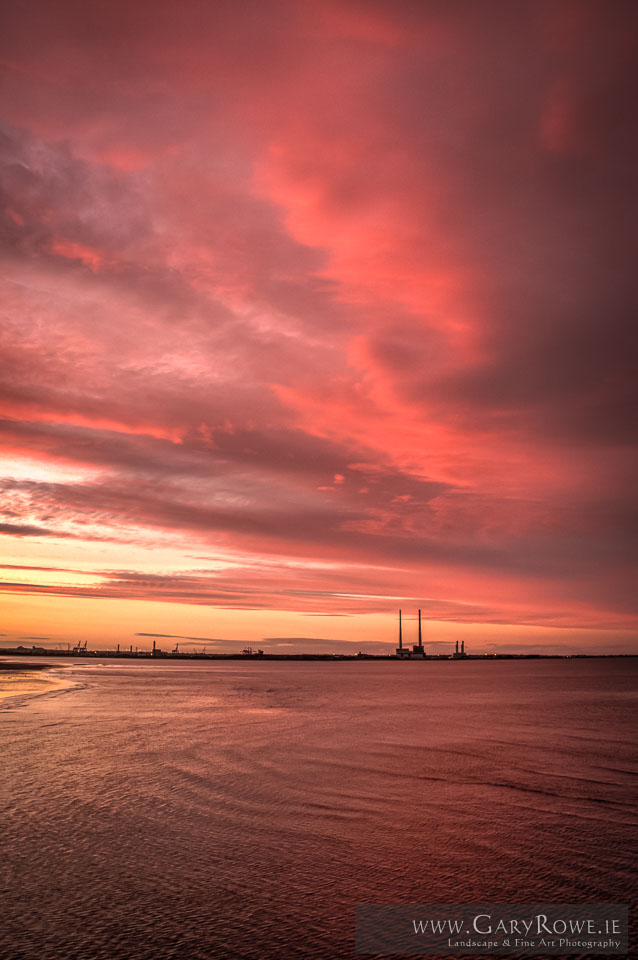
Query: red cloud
(346, 283)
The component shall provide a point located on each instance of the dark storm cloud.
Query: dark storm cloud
(342, 284)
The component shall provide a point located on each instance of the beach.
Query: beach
(19, 679)
(243, 809)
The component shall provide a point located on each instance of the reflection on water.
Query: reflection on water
(239, 809)
(29, 683)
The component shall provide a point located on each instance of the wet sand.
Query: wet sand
(28, 680)
(243, 809)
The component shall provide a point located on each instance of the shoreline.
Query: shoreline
(26, 680)
(161, 656)
(12, 665)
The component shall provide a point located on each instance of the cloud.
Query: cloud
(27, 530)
(345, 285)
(297, 640)
(193, 641)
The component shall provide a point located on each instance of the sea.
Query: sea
(241, 809)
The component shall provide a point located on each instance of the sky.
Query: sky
(312, 311)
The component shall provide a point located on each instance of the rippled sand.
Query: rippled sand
(29, 682)
(241, 811)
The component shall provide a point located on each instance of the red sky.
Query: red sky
(315, 310)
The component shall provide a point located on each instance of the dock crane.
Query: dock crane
(175, 649)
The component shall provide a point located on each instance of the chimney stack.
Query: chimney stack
(463, 647)
(420, 637)
(400, 633)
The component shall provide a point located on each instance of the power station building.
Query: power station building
(417, 651)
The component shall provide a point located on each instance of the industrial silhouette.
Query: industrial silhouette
(418, 650)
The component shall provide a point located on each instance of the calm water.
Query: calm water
(241, 810)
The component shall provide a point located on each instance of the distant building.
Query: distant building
(405, 653)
